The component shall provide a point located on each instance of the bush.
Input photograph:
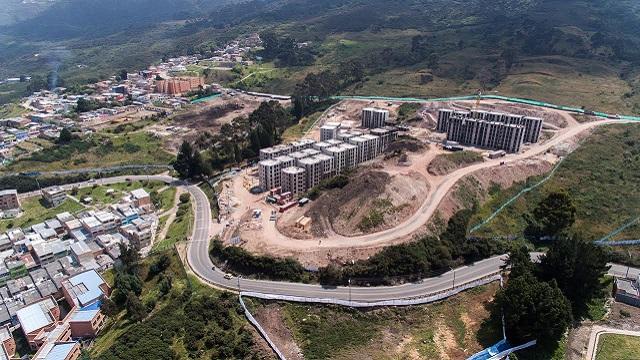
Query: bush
(184, 198)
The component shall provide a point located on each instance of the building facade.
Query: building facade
(9, 200)
(374, 118)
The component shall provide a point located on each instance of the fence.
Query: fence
(261, 330)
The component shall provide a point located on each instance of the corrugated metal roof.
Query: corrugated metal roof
(84, 315)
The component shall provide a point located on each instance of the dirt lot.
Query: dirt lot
(370, 193)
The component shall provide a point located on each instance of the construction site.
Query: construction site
(360, 179)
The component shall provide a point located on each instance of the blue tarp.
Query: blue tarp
(491, 351)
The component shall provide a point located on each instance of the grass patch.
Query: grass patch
(35, 211)
(167, 198)
(446, 163)
(213, 199)
(298, 130)
(99, 150)
(618, 347)
(179, 228)
(99, 192)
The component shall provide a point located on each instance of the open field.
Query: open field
(178, 230)
(35, 211)
(618, 347)
(99, 192)
(100, 150)
(600, 176)
(446, 163)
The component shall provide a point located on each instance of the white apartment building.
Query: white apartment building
(320, 146)
(329, 131)
(269, 174)
(314, 171)
(367, 147)
(275, 151)
(344, 157)
(374, 118)
(328, 165)
(344, 136)
(294, 180)
(302, 144)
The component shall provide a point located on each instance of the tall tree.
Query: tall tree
(184, 160)
(552, 216)
(534, 309)
(577, 266)
(135, 309)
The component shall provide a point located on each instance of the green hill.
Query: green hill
(576, 52)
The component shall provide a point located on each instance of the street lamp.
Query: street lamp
(239, 276)
(454, 277)
(349, 289)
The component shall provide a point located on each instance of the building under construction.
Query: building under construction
(490, 130)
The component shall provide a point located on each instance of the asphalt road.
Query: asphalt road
(199, 261)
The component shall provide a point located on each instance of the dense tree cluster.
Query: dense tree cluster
(553, 216)
(285, 50)
(242, 261)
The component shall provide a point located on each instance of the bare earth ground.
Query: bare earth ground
(445, 195)
(271, 318)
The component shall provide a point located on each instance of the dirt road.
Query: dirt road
(277, 242)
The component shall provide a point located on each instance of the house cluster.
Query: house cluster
(60, 259)
(490, 130)
(235, 52)
(15, 130)
(294, 168)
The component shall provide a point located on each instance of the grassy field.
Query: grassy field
(455, 328)
(99, 193)
(100, 150)
(179, 229)
(11, 110)
(618, 347)
(601, 177)
(298, 130)
(35, 211)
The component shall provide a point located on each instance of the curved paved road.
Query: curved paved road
(199, 261)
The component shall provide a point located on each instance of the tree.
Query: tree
(65, 136)
(519, 262)
(188, 161)
(135, 308)
(184, 198)
(108, 307)
(534, 309)
(123, 75)
(84, 105)
(552, 216)
(129, 256)
(577, 266)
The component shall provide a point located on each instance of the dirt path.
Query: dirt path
(172, 216)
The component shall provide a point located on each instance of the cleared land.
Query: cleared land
(445, 163)
(618, 347)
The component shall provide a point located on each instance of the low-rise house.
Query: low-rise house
(81, 253)
(59, 351)
(40, 316)
(141, 199)
(7, 342)
(627, 291)
(140, 232)
(85, 289)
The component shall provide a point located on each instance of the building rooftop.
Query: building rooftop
(139, 194)
(85, 315)
(84, 287)
(9, 192)
(293, 170)
(269, 162)
(37, 315)
(55, 351)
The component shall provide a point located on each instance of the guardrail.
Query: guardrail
(415, 300)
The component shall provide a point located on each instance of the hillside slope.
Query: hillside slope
(571, 51)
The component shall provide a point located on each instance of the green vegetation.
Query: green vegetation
(618, 347)
(11, 110)
(205, 323)
(447, 163)
(334, 332)
(599, 176)
(99, 192)
(35, 210)
(213, 198)
(407, 111)
(336, 182)
(179, 229)
(99, 150)
(298, 130)
(239, 260)
(375, 217)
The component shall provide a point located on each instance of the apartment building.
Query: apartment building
(294, 180)
(532, 125)
(320, 146)
(275, 151)
(386, 136)
(9, 199)
(269, 174)
(329, 131)
(67, 350)
(344, 157)
(54, 196)
(367, 147)
(374, 118)
(491, 135)
(36, 317)
(314, 170)
(302, 144)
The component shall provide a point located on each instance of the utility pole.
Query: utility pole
(454, 277)
(349, 289)
(239, 276)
